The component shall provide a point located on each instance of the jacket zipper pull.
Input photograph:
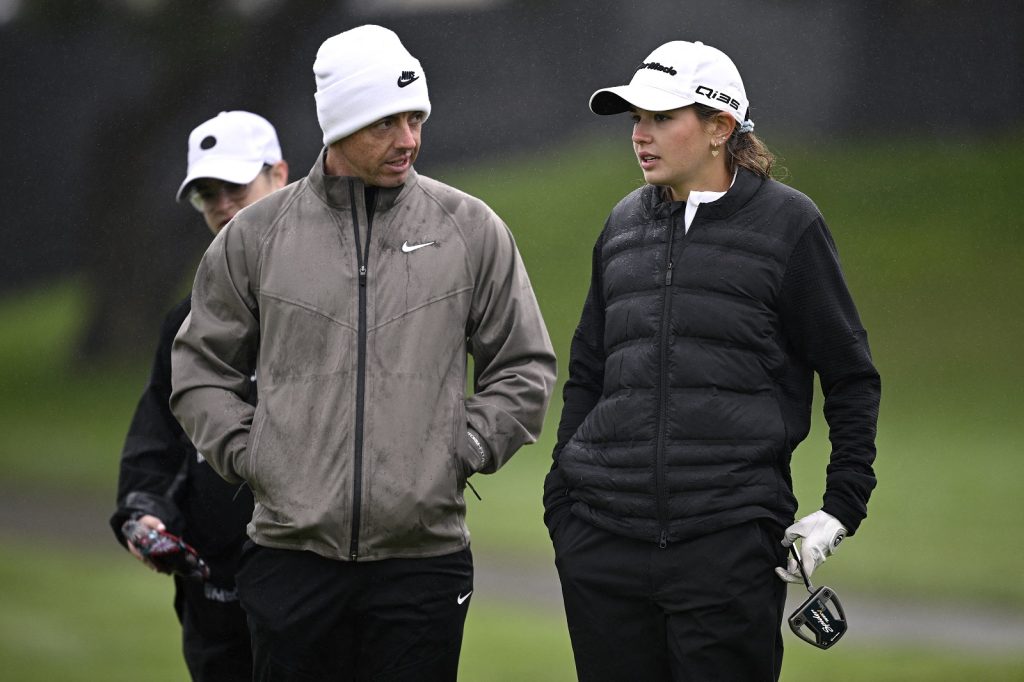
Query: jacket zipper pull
(362, 275)
(668, 275)
(663, 541)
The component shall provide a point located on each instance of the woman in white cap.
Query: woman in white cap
(716, 294)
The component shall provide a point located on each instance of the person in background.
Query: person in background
(234, 159)
(357, 292)
(715, 297)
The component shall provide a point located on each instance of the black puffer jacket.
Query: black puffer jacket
(691, 371)
(162, 475)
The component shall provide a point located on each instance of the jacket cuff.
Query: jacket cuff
(482, 457)
(844, 514)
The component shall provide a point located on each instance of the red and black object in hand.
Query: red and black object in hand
(167, 553)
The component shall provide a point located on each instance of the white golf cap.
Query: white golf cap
(232, 146)
(675, 75)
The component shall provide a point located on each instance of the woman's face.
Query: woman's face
(674, 150)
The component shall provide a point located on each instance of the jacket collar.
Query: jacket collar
(743, 189)
(337, 190)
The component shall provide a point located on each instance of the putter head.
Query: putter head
(820, 620)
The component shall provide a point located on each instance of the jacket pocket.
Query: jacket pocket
(556, 500)
(248, 469)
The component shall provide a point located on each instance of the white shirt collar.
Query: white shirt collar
(697, 198)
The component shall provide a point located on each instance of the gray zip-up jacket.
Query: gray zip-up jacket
(357, 321)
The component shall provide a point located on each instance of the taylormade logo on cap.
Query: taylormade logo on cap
(364, 75)
(677, 74)
(658, 67)
(232, 146)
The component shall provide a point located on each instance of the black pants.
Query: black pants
(706, 609)
(215, 635)
(319, 619)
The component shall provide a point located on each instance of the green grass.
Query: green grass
(85, 616)
(61, 423)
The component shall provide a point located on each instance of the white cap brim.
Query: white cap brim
(622, 98)
(227, 170)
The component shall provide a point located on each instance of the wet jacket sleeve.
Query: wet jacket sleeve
(155, 449)
(513, 361)
(583, 388)
(214, 353)
(820, 321)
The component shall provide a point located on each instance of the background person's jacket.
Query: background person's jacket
(691, 371)
(161, 474)
(358, 319)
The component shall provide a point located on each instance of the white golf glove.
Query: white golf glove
(821, 534)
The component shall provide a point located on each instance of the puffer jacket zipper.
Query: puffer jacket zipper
(660, 473)
(362, 259)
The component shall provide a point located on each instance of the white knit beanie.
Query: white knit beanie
(363, 75)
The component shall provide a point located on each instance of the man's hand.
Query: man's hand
(821, 534)
(149, 521)
(162, 551)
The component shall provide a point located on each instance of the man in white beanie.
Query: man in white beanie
(234, 159)
(357, 294)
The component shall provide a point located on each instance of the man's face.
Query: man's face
(219, 201)
(382, 153)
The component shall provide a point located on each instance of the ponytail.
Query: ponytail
(744, 149)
